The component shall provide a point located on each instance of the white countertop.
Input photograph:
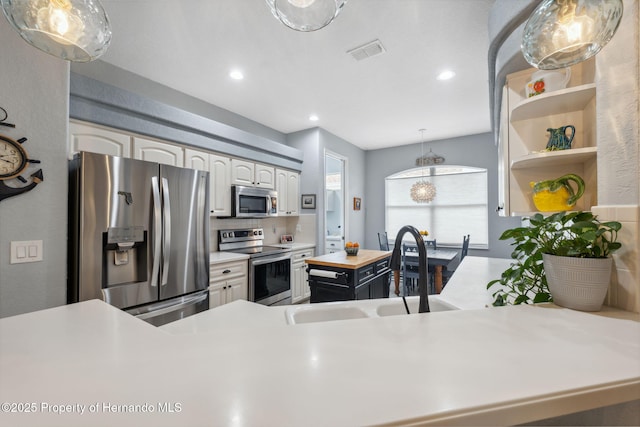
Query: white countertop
(295, 246)
(241, 365)
(467, 288)
(220, 257)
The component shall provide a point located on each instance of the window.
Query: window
(459, 207)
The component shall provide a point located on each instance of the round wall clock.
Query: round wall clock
(13, 158)
(13, 162)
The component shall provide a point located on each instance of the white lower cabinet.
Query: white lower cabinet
(228, 282)
(333, 246)
(300, 290)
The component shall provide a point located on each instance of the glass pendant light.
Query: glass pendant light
(560, 33)
(422, 191)
(74, 30)
(306, 15)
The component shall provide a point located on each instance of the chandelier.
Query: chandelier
(424, 191)
(306, 15)
(560, 33)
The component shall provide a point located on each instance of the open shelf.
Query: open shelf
(556, 102)
(553, 158)
(522, 158)
(530, 214)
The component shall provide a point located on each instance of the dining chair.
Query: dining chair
(446, 274)
(383, 241)
(431, 244)
(410, 266)
(465, 246)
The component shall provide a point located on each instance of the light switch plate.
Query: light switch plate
(26, 251)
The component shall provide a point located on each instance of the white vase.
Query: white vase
(578, 283)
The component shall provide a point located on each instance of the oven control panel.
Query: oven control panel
(230, 236)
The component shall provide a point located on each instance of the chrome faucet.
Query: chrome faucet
(423, 288)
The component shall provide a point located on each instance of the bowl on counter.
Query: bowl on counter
(351, 251)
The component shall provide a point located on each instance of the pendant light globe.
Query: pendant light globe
(561, 33)
(306, 15)
(73, 30)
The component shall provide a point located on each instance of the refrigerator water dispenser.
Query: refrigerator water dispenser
(124, 255)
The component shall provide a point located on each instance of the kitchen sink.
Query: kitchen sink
(323, 313)
(395, 306)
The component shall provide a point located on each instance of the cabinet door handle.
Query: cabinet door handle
(303, 255)
(226, 272)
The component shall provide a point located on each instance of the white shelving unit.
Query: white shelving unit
(524, 137)
(556, 102)
(554, 158)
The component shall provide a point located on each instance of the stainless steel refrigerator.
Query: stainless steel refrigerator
(139, 236)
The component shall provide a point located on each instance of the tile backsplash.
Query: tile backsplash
(303, 228)
(624, 291)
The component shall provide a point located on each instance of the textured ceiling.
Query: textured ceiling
(382, 101)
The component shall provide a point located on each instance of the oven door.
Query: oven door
(270, 279)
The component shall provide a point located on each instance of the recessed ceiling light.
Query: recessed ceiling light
(236, 75)
(446, 75)
(314, 118)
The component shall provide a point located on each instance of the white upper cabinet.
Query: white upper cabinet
(252, 174)
(242, 172)
(219, 168)
(265, 176)
(94, 139)
(288, 188)
(195, 159)
(220, 187)
(159, 152)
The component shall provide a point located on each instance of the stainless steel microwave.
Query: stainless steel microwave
(251, 202)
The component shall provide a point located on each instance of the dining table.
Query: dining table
(437, 258)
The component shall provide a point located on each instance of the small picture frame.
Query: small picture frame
(308, 201)
(357, 202)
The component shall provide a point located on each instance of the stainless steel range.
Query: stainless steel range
(269, 266)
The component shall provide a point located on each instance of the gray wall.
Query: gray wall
(35, 92)
(124, 79)
(474, 150)
(313, 143)
(355, 178)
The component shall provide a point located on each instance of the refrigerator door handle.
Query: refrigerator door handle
(157, 231)
(165, 307)
(166, 205)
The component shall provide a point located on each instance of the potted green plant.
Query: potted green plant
(557, 259)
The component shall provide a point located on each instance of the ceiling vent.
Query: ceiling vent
(367, 51)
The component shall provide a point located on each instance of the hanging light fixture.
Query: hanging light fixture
(306, 15)
(422, 191)
(560, 33)
(74, 30)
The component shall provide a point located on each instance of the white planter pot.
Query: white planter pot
(578, 283)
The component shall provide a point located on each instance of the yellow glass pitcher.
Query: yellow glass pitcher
(556, 195)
